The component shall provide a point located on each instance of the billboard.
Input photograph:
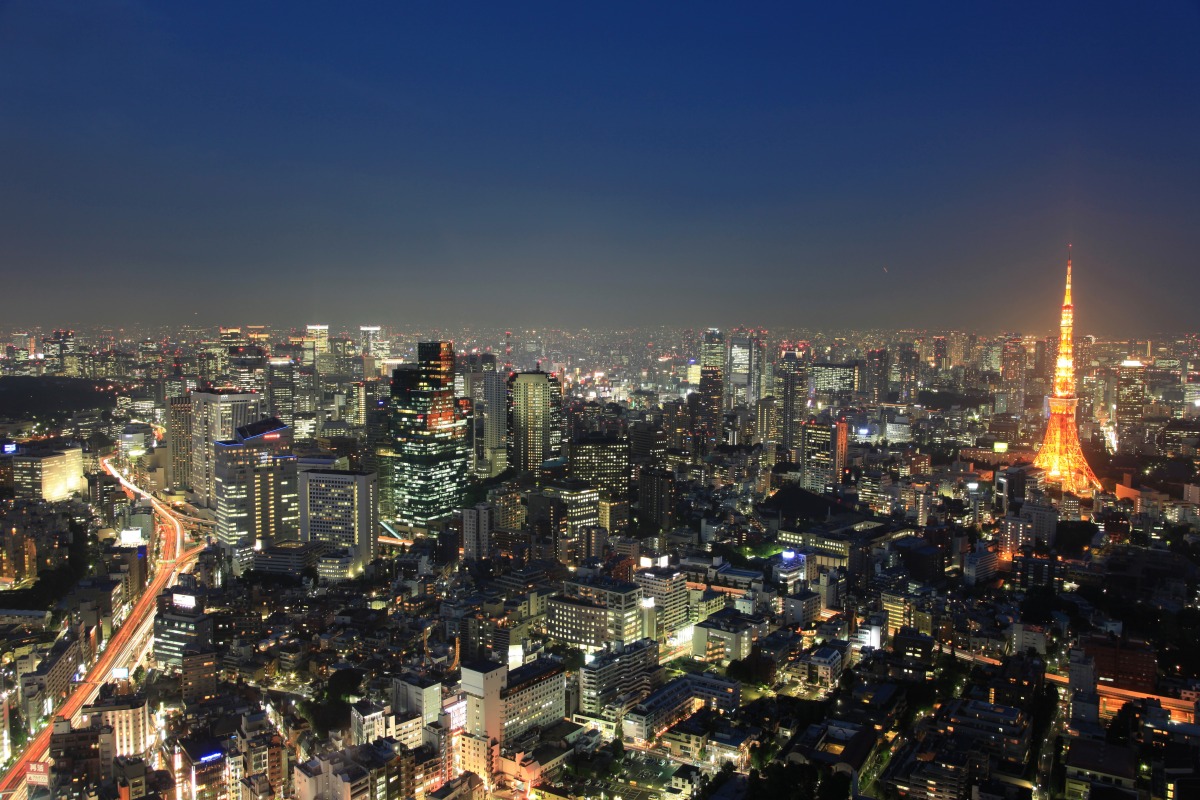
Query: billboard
(38, 774)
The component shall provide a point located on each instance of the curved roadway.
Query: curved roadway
(123, 647)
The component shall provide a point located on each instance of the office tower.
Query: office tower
(1043, 363)
(56, 348)
(941, 353)
(602, 462)
(765, 424)
(231, 337)
(340, 508)
(477, 531)
(254, 485)
(199, 670)
(318, 338)
(1061, 457)
(744, 367)
(668, 588)
(179, 442)
(833, 383)
(370, 342)
(1131, 397)
(648, 442)
(488, 390)
(710, 399)
(216, 414)
(822, 454)
(791, 389)
(561, 511)
(48, 475)
(1012, 375)
(908, 372)
(535, 420)
(179, 625)
(281, 389)
(427, 453)
(656, 500)
(878, 368)
(248, 368)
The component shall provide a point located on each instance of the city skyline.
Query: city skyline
(788, 168)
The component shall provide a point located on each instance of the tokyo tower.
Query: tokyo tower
(1061, 456)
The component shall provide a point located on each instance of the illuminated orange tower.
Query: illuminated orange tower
(1061, 456)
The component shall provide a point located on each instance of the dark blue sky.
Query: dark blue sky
(609, 163)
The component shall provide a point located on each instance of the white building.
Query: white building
(340, 508)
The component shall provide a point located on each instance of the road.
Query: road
(125, 645)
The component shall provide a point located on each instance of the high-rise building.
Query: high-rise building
(656, 500)
(319, 337)
(668, 588)
(216, 414)
(535, 420)
(791, 389)
(248, 368)
(744, 367)
(340, 508)
(1060, 457)
(487, 389)
(428, 452)
(477, 531)
(908, 372)
(822, 454)
(831, 383)
(603, 462)
(878, 368)
(254, 485)
(1131, 398)
(1012, 375)
(281, 389)
(371, 343)
(179, 442)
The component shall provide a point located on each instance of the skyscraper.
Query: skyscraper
(281, 389)
(340, 508)
(427, 455)
(535, 420)
(1012, 375)
(254, 485)
(878, 369)
(216, 414)
(711, 394)
(744, 367)
(822, 455)
(477, 531)
(1061, 456)
(1131, 397)
(179, 441)
(791, 379)
(908, 372)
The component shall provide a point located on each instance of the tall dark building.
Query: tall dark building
(791, 377)
(427, 455)
(908, 369)
(656, 500)
(878, 368)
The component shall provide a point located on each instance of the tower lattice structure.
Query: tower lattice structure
(1061, 456)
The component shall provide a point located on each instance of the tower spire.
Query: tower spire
(1061, 456)
(1067, 295)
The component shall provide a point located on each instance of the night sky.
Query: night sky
(601, 164)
